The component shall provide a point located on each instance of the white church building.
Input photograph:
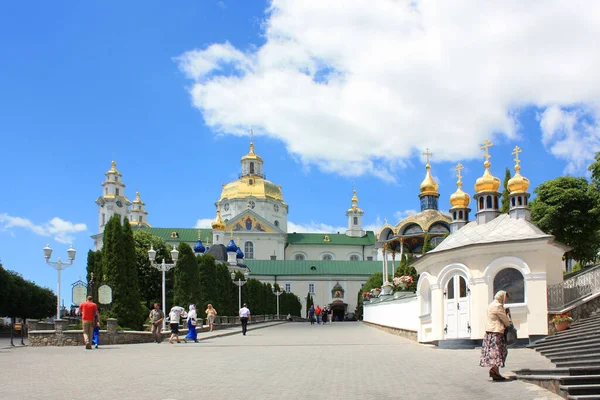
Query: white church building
(459, 277)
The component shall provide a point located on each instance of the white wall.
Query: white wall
(403, 313)
(341, 253)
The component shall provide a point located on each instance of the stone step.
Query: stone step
(575, 348)
(584, 339)
(572, 332)
(595, 362)
(574, 357)
(554, 372)
(581, 389)
(585, 322)
(584, 397)
(580, 380)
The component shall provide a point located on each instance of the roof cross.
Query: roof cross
(515, 153)
(485, 146)
(459, 167)
(427, 154)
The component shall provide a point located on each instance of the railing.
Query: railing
(564, 294)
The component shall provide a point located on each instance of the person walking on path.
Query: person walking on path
(311, 315)
(324, 313)
(89, 312)
(192, 323)
(174, 318)
(211, 313)
(493, 350)
(156, 317)
(318, 313)
(244, 318)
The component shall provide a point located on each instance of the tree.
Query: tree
(567, 207)
(426, 244)
(505, 193)
(186, 287)
(309, 303)
(150, 278)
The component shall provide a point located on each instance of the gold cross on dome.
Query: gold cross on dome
(485, 146)
(198, 234)
(515, 153)
(459, 167)
(427, 154)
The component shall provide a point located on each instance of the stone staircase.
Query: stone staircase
(576, 354)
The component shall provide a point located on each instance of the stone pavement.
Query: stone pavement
(346, 360)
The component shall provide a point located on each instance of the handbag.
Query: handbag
(511, 334)
(194, 322)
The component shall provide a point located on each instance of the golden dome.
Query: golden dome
(113, 169)
(428, 187)
(251, 186)
(487, 182)
(251, 155)
(459, 199)
(518, 183)
(218, 224)
(354, 203)
(138, 199)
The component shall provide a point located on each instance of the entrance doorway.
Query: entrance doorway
(456, 309)
(338, 308)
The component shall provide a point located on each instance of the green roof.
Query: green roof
(183, 234)
(315, 267)
(334, 239)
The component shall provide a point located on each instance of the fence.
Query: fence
(567, 293)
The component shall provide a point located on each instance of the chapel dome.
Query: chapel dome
(251, 186)
(252, 155)
(487, 182)
(460, 199)
(428, 187)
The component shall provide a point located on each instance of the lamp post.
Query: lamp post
(240, 283)
(59, 266)
(278, 293)
(163, 267)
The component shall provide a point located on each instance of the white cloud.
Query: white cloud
(204, 223)
(356, 87)
(314, 227)
(571, 135)
(62, 231)
(400, 215)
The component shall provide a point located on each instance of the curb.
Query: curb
(239, 331)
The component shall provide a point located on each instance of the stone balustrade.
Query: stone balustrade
(39, 335)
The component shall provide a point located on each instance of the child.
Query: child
(96, 335)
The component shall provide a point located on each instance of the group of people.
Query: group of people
(156, 317)
(319, 314)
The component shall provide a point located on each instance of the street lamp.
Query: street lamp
(240, 283)
(278, 293)
(59, 266)
(163, 267)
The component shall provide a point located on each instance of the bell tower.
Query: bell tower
(355, 215)
(113, 200)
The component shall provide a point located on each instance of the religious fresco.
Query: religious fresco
(249, 224)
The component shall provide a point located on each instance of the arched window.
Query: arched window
(525, 200)
(249, 250)
(460, 214)
(327, 257)
(512, 201)
(520, 200)
(355, 221)
(481, 203)
(299, 257)
(488, 202)
(117, 191)
(276, 223)
(140, 219)
(252, 168)
(511, 280)
(105, 190)
(354, 257)
(454, 213)
(496, 202)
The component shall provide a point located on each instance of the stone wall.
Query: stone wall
(581, 311)
(412, 335)
(38, 335)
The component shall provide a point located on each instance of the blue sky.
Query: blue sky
(337, 94)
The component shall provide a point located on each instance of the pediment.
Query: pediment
(249, 221)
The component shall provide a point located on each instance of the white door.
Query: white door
(456, 306)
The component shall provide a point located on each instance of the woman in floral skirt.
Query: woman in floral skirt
(493, 352)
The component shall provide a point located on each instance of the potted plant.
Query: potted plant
(561, 321)
(403, 282)
(376, 292)
(388, 288)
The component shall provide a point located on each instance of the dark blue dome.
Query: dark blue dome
(231, 246)
(240, 254)
(199, 247)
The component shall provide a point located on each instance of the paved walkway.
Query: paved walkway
(346, 360)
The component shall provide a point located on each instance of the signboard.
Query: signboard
(104, 294)
(79, 293)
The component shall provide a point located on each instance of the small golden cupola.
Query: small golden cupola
(487, 182)
(113, 170)
(429, 188)
(354, 206)
(518, 183)
(218, 224)
(459, 199)
(355, 215)
(252, 155)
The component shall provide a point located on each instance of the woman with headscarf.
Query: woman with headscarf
(191, 323)
(493, 351)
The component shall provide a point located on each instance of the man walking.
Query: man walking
(156, 317)
(318, 313)
(244, 318)
(311, 315)
(89, 311)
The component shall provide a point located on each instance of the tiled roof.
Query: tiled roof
(316, 267)
(501, 229)
(333, 239)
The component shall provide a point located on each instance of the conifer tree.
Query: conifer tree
(505, 193)
(186, 287)
(129, 308)
(426, 244)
